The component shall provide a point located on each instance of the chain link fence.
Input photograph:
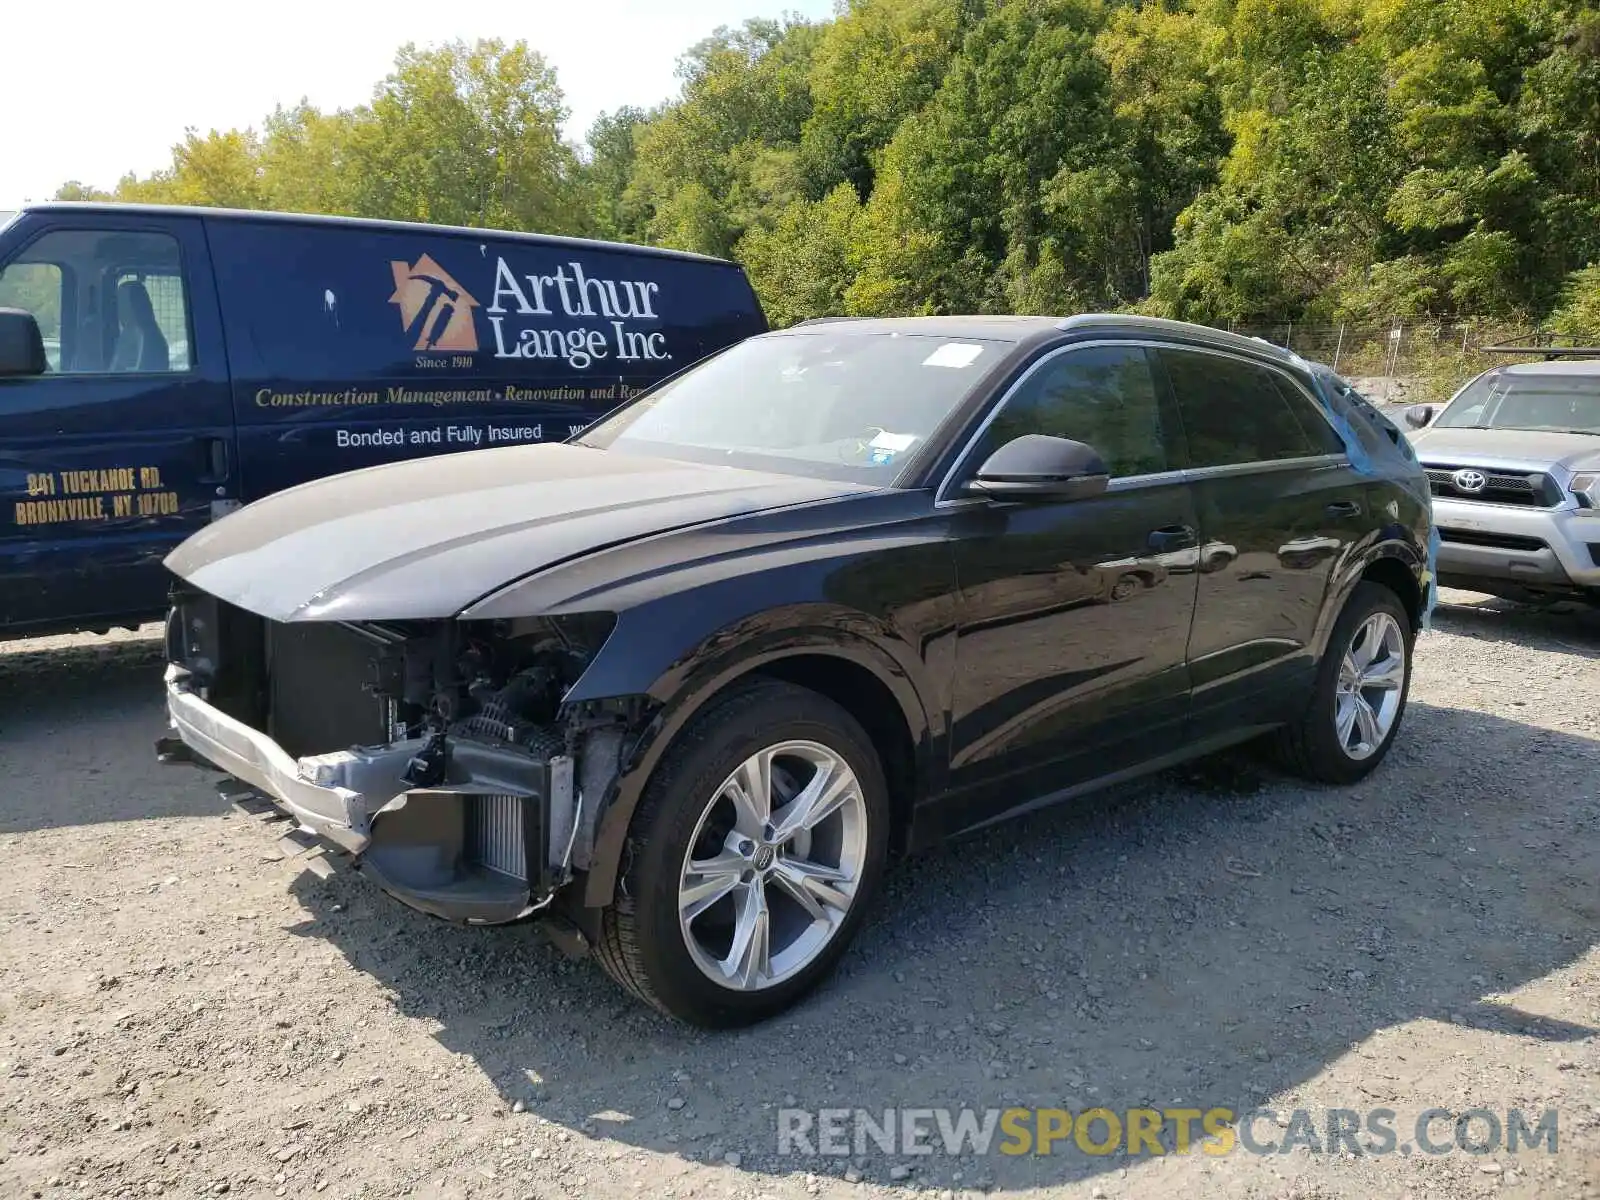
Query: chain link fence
(1402, 362)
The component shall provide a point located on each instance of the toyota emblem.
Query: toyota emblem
(1468, 480)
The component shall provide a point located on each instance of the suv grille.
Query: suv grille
(1496, 541)
(1532, 489)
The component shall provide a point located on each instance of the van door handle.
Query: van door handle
(1173, 537)
(1340, 509)
(216, 457)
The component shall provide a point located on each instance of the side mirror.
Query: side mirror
(21, 346)
(1036, 467)
(1419, 415)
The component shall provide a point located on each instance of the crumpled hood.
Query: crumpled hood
(1534, 449)
(425, 538)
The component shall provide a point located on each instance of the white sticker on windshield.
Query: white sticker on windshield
(953, 354)
(893, 442)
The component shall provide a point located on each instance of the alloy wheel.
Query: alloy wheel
(774, 865)
(1372, 676)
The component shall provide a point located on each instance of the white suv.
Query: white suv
(1514, 464)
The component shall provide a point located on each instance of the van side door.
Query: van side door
(124, 446)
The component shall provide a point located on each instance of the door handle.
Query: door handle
(215, 452)
(1343, 508)
(1173, 537)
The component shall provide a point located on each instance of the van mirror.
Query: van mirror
(1037, 467)
(1419, 415)
(21, 345)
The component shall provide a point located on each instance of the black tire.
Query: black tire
(1311, 747)
(642, 945)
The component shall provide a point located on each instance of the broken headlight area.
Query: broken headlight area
(440, 753)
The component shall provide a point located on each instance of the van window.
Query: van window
(107, 301)
(36, 288)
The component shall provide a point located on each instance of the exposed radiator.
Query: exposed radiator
(495, 836)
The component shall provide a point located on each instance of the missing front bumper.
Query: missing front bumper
(491, 843)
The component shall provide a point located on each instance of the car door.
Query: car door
(124, 446)
(1071, 632)
(1279, 506)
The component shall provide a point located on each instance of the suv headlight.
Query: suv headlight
(1587, 490)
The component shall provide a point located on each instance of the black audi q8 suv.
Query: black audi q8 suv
(681, 686)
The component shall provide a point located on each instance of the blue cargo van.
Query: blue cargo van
(161, 366)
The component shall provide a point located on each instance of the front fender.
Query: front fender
(684, 687)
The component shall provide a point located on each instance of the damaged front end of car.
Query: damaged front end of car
(440, 755)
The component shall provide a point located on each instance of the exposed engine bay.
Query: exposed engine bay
(441, 754)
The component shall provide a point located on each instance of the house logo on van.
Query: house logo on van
(435, 310)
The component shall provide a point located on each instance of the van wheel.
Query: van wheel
(1360, 693)
(756, 850)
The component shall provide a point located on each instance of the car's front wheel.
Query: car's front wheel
(1360, 692)
(752, 857)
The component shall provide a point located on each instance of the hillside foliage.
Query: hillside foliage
(1227, 161)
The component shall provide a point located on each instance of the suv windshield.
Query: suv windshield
(824, 402)
(1503, 400)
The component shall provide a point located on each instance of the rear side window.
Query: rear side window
(1307, 412)
(1104, 396)
(1233, 411)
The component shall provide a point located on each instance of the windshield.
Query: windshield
(1503, 400)
(824, 402)
(5, 216)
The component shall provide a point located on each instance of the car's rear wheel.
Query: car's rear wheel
(751, 860)
(1360, 693)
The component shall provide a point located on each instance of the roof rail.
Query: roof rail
(1539, 344)
(826, 321)
(1220, 337)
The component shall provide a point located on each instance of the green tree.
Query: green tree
(613, 151)
(1579, 312)
(968, 176)
(804, 264)
(458, 134)
(466, 135)
(723, 156)
(1298, 213)
(875, 65)
(73, 190)
(1221, 160)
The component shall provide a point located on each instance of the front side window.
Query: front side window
(1233, 412)
(1104, 396)
(826, 401)
(36, 288)
(1561, 403)
(107, 301)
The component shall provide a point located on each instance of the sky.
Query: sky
(109, 86)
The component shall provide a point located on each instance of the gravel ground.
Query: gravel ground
(183, 1010)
